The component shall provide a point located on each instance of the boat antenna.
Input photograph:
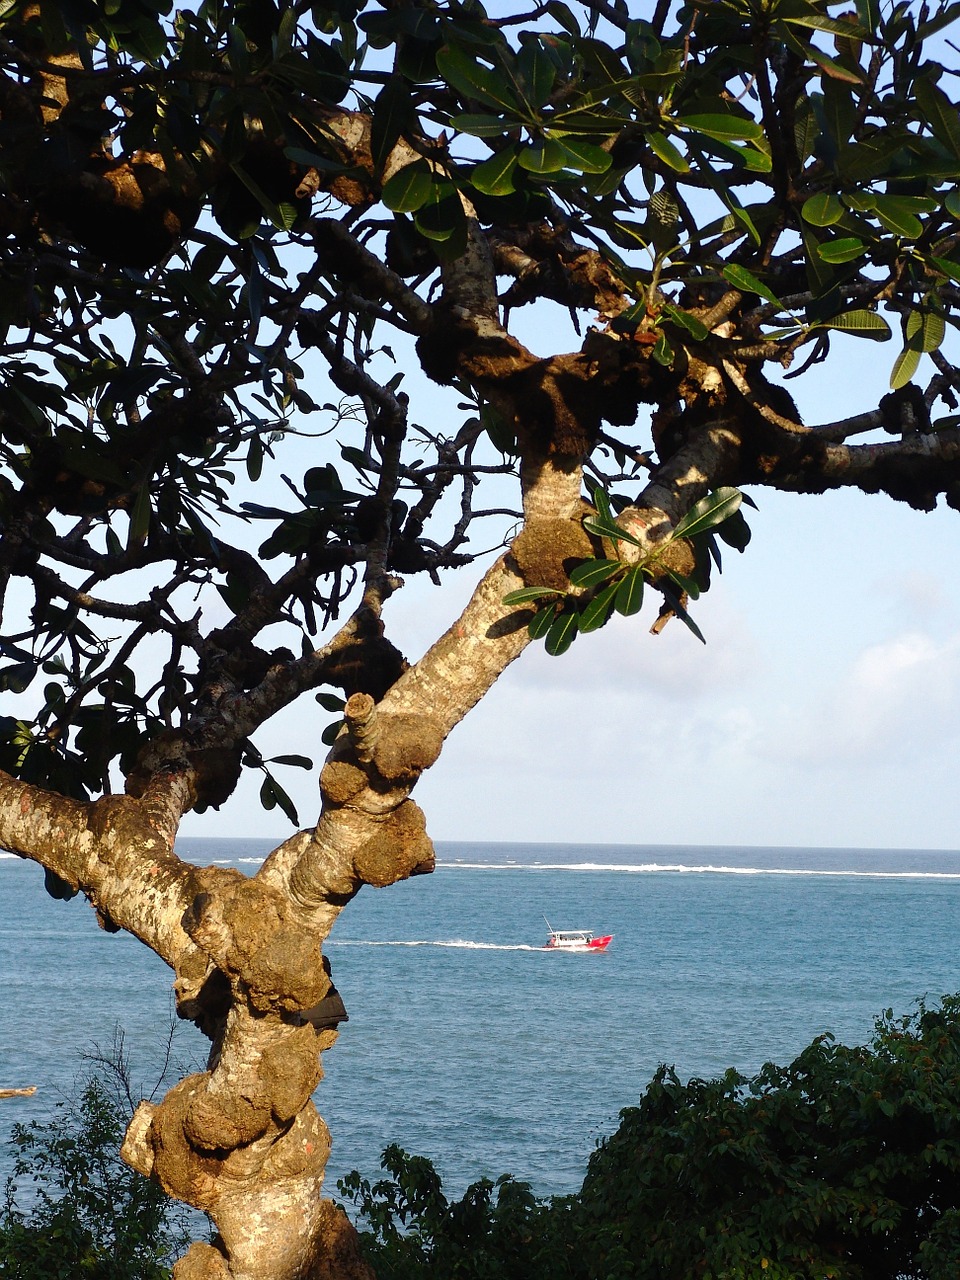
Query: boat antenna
(547, 923)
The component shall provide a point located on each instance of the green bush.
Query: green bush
(496, 1230)
(844, 1165)
(72, 1208)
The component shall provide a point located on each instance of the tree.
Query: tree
(199, 207)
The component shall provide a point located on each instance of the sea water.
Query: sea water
(467, 1041)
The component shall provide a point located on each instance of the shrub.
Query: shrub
(72, 1208)
(844, 1165)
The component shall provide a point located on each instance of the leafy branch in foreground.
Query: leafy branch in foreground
(605, 585)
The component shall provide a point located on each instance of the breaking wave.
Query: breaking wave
(680, 868)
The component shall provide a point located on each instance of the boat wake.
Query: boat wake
(461, 943)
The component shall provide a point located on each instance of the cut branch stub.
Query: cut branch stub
(360, 714)
(400, 746)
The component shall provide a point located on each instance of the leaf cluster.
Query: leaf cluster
(603, 587)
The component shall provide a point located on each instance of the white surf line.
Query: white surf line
(681, 869)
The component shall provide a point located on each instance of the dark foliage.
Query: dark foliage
(73, 1209)
(844, 1165)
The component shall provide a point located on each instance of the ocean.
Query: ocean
(467, 1041)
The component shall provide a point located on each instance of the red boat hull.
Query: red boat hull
(600, 944)
(589, 944)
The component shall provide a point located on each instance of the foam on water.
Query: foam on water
(652, 868)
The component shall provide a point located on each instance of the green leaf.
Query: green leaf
(842, 250)
(673, 599)
(140, 516)
(596, 610)
(269, 207)
(543, 156)
(18, 677)
(904, 367)
(602, 504)
(859, 201)
(709, 512)
(495, 177)
(541, 622)
(725, 128)
(629, 597)
(899, 214)
(664, 150)
(939, 112)
(747, 282)
(861, 323)
(925, 330)
(822, 210)
(951, 269)
(296, 762)
(695, 327)
(254, 458)
(807, 15)
(592, 572)
(330, 701)
(331, 733)
(480, 125)
(286, 804)
(609, 529)
(538, 72)
(57, 887)
(735, 531)
(562, 633)
(662, 351)
(829, 66)
(393, 115)
(312, 159)
(474, 80)
(525, 594)
(584, 157)
(441, 220)
(691, 587)
(410, 188)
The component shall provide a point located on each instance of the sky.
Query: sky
(822, 711)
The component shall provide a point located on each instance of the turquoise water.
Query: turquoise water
(469, 1043)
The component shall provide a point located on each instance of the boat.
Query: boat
(575, 939)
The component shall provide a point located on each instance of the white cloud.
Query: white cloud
(899, 698)
(624, 659)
